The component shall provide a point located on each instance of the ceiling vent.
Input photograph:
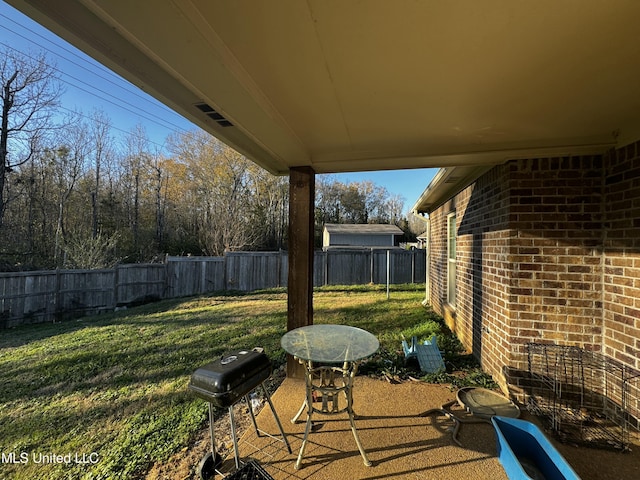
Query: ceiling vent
(210, 112)
(452, 179)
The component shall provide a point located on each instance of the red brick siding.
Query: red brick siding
(481, 315)
(621, 238)
(530, 261)
(438, 256)
(556, 210)
(483, 237)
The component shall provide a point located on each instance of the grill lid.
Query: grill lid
(232, 376)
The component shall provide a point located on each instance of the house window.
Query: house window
(451, 259)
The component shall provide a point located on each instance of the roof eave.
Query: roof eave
(446, 183)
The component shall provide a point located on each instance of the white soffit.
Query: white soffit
(346, 85)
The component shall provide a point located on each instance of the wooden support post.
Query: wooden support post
(300, 280)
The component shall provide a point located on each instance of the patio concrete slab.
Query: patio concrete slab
(399, 442)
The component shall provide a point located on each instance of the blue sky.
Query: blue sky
(89, 85)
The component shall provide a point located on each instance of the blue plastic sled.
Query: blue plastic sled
(526, 453)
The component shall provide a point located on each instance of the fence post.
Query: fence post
(371, 266)
(413, 265)
(388, 271)
(203, 271)
(57, 294)
(225, 276)
(284, 255)
(165, 289)
(116, 279)
(326, 267)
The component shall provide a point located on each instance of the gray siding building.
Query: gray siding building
(359, 236)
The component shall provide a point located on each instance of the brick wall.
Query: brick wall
(483, 269)
(438, 258)
(556, 210)
(621, 238)
(531, 259)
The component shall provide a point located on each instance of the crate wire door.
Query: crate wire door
(583, 397)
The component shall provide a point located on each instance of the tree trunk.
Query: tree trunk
(4, 138)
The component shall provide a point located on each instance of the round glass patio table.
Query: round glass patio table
(330, 343)
(330, 354)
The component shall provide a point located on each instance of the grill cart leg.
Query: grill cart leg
(233, 435)
(253, 417)
(213, 436)
(212, 460)
(259, 432)
(255, 424)
(275, 416)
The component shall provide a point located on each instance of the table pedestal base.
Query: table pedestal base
(326, 386)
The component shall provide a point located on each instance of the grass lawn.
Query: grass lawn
(106, 396)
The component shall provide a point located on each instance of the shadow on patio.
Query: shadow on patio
(400, 443)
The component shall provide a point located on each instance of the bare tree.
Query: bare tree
(355, 202)
(159, 183)
(102, 141)
(268, 207)
(29, 93)
(137, 148)
(219, 182)
(70, 162)
(327, 206)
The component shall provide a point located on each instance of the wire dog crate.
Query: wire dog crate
(583, 397)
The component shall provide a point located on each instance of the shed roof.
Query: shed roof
(362, 229)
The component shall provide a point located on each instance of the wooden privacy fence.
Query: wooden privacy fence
(42, 296)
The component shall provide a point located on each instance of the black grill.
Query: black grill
(223, 383)
(228, 379)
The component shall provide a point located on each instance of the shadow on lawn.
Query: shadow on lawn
(152, 343)
(18, 336)
(117, 358)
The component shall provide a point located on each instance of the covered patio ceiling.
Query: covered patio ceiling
(347, 85)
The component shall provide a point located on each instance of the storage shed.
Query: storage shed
(359, 235)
